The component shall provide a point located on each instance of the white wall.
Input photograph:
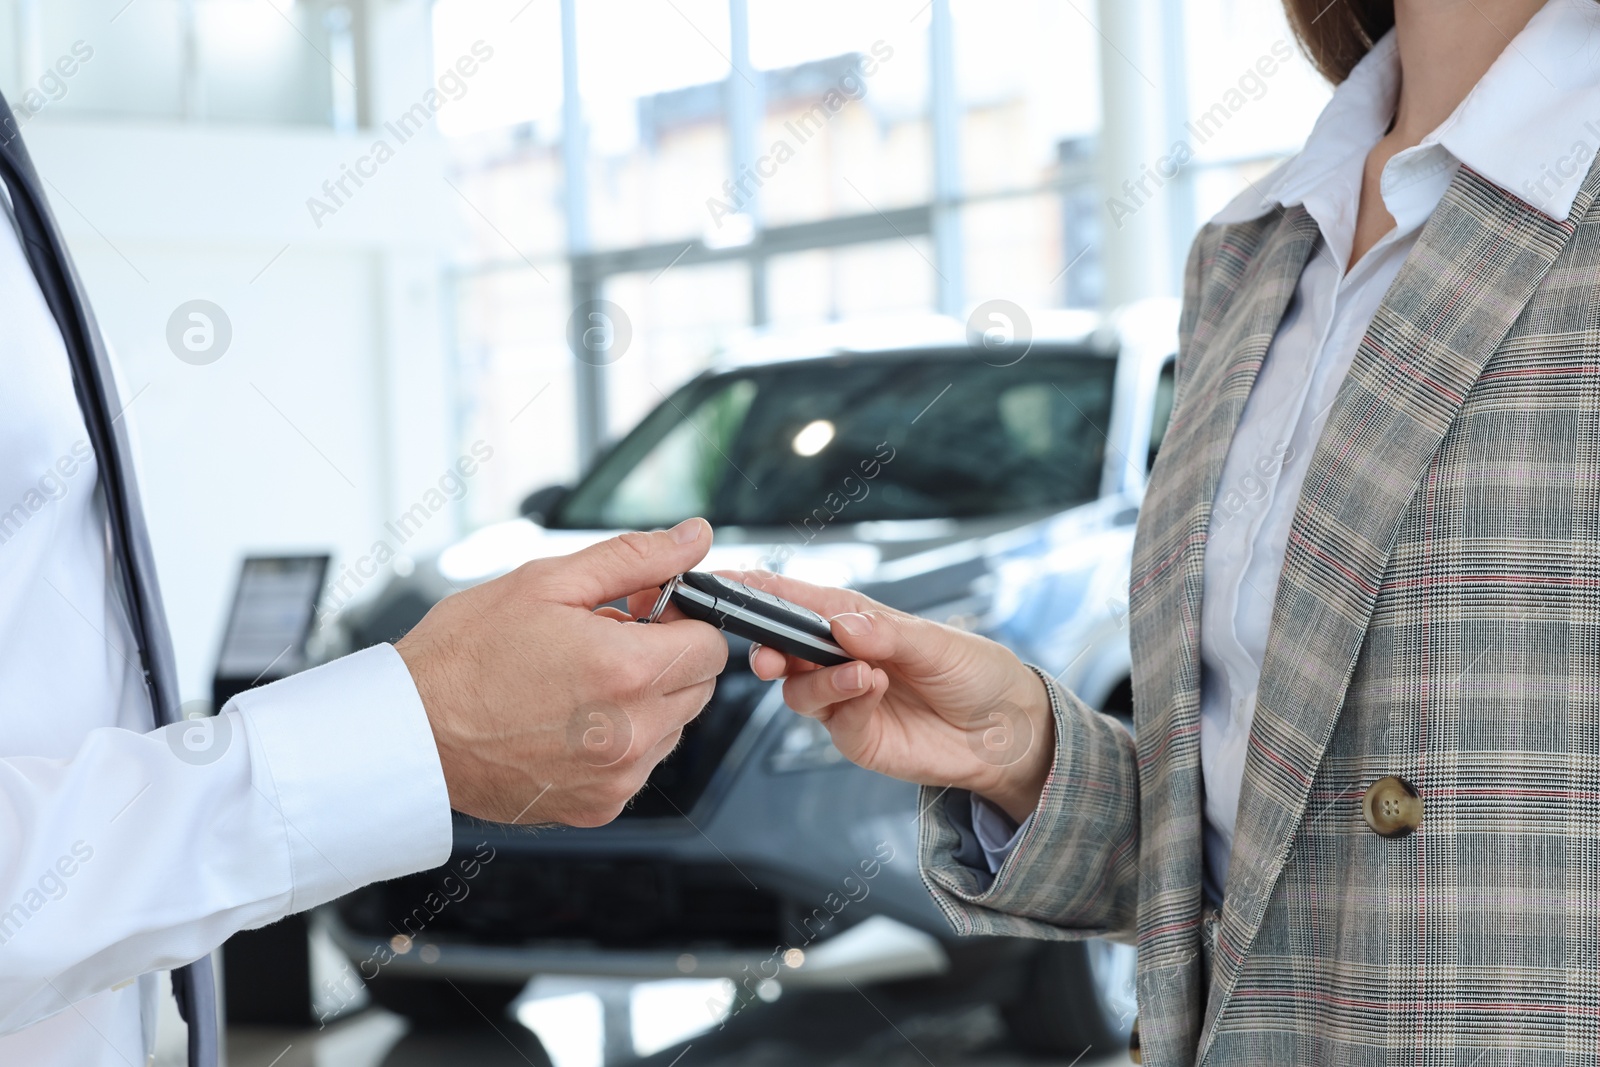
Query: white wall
(342, 333)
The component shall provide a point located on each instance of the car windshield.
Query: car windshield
(858, 439)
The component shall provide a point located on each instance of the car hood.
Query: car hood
(984, 574)
(853, 554)
(833, 559)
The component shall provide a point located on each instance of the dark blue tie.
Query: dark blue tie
(97, 397)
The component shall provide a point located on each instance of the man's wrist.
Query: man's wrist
(416, 652)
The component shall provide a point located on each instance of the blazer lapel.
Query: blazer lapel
(1257, 267)
(1477, 262)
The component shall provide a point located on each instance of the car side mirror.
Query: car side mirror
(540, 504)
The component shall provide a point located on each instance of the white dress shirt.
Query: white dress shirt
(118, 858)
(1532, 126)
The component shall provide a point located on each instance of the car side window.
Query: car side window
(682, 473)
(1162, 414)
(897, 437)
(1028, 416)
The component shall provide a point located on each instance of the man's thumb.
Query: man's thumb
(624, 565)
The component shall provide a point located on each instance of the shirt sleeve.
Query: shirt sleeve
(143, 852)
(996, 832)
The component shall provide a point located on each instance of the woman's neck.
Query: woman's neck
(1445, 47)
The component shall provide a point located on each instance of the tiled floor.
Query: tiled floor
(800, 1038)
(846, 1028)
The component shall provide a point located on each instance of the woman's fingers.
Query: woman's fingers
(876, 636)
(917, 650)
(823, 600)
(824, 694)
(810, 692)
(917, 647)
(855, 729)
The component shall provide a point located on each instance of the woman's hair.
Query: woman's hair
(1335, 34)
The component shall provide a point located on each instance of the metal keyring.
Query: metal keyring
(663, 600)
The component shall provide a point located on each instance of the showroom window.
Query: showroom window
(751, 165)
(193, 60)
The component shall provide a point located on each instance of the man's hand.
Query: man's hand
(546, 711)
(923, 702)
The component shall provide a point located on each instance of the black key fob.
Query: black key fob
(753, 615)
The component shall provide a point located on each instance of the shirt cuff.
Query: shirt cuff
(997, 834)
(345, 753)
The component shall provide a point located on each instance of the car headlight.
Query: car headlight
(805, 746)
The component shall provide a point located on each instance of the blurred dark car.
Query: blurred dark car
(999, 498)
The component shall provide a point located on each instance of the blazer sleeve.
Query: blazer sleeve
(1074, 873)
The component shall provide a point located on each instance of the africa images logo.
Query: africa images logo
(199, 332)
(999, 333)
(599, 332)
(199, 737)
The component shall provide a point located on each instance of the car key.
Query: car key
(753, 615)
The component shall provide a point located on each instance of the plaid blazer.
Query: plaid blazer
(1437, 618)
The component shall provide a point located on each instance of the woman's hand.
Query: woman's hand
(923, 702)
